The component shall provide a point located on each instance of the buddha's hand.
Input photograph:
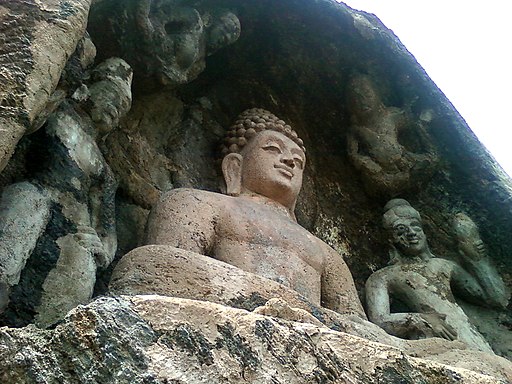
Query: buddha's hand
(88, 238)
(434, 325)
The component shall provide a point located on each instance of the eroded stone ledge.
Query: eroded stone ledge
(155, 339)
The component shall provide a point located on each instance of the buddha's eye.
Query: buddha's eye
(271, 147)
(299, 163)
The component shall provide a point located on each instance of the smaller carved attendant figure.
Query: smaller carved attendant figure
(421, 287)
(63, 219)
(167, 39)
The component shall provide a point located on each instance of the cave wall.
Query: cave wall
(295, 58)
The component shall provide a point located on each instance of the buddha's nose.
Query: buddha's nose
(288, 160)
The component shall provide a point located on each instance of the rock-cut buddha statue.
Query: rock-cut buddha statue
(199, 240)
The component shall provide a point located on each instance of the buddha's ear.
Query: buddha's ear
(232, 171)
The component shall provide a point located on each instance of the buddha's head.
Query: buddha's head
(263, 155)
(403, 224)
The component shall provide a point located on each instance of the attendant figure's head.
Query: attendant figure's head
(110, 94)
(405, 231)
(468, 237)
(363, 99)
(263, 155)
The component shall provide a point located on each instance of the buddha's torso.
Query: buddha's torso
(260, 239)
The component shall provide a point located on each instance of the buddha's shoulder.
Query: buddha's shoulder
(179, 196)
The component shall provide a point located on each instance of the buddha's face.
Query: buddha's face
(408, 236)
(272, 166)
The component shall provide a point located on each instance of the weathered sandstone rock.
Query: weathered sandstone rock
(152, 339)
(36, 40)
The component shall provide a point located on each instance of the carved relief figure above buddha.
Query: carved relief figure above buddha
(374, 148)
(253, 227)
(165, 39)
(414, 297)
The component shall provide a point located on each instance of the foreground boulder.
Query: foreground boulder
(154, 339)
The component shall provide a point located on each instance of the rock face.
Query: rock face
(192, 276)
(37, 39)
(167, 40)
(152, 339)
(73, 189)
(197, 65)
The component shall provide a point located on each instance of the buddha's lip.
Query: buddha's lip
(287, 171)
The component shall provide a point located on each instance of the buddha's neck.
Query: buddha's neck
(268, 202)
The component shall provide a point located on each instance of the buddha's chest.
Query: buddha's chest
(270, 245)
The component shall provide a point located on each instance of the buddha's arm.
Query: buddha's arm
(185, 219)
(408, 325)
(338, 291)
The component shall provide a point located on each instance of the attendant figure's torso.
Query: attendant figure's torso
(424, 286)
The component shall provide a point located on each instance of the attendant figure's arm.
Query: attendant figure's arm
(482, 285)
(407, 325)
(101, 236)
(479, 282)
(338, 291)
(185, 219)
(361, 161)
(24, 214)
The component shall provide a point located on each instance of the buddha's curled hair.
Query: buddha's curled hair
(250, 122)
